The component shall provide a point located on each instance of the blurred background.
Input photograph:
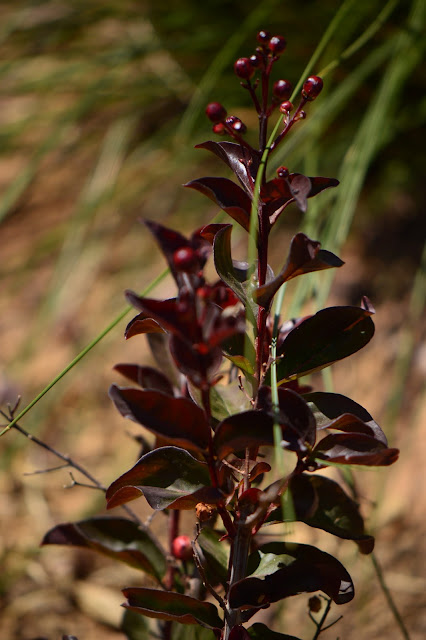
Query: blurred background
(101, 104)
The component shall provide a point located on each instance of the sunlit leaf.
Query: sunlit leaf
(354, 448)
(118, 538)
(330, 335)
(177, 419)
(168, 477)
(240, 160)
(305, 256)
(167, 605)
(282, 569)
(142, 324)
(227, 195)
(321, 503)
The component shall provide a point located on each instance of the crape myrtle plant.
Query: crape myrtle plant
(226, 400)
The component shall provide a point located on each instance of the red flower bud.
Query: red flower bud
(286, 107)
(182, 548)
(215, 112)
(263, 37)
(277, 45)
(243, 68)
(219, 129)
(312, 87)
(282, 172)
(185, 259)
(282, 89)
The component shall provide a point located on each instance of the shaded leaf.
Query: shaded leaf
(176, 419)
(167, 605)
(283, 569)
(192, 632)
(226, 269)
(321, 503)
(159, 346)
(330, 335)
(239, 159)
(118, 538)
(227, 195)
(142, 324)
(327, 406)
(215, 556)
(305, 256)
(168, 477)
(135, 627)
(146, 377)
(354, 448)
(260, 631)
(198, 364)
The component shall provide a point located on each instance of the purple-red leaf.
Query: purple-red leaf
(354, 448)
(260, 631)
(118, 538)
(328, 406)
(283, 569)
(243, 163)
(318, 341)
(167, 605)
(246, 429)
(173, 315)
(321, 503)
(177, 420)
(305, 256)
(142, 324)
(168, 477)
(146, 377)
(227, 195)
(279, 192)
(199, 362)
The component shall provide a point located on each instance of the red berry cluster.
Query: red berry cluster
(269, 49)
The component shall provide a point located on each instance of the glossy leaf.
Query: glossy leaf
(227, 195)
(294, 415)
(246, 429)
(354, 448)
(146, 377)
(142, 324)
(167, 605)
(283, 569)
(330, 335)
(321, 503)
(279, 193)
(328, 406)
(305, 256)
(260, 631)
(240, 160)
(178, 420)
(117, 538)
(168, 477)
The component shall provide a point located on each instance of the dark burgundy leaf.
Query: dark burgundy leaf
(283, 569)
(260, 631)
(354, 448)
(246, 429)
(227, 195)
(328, 406)
(200, 364)
(167, 605)
(118, 538)
(210, 230)
(330, 335)
(146, 377)
(142, 324)
(243, 163)
(322, 503)
(168, 477)
(178, 420)
(239, 633)
(295, 417)
(279, 193)
(305, 256)
(176, 316)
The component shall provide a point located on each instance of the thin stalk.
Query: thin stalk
(390, 601)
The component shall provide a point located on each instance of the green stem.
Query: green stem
(391, 604)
